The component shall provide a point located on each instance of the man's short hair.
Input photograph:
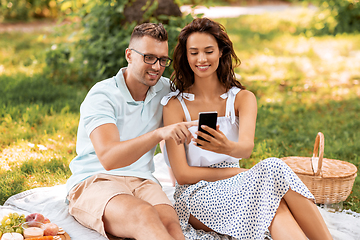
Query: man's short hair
(154, 30)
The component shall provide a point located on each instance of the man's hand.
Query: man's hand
(178, 132)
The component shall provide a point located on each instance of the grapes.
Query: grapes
(4, 220)
(12, 223)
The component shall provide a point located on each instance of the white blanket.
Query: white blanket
(50, 201)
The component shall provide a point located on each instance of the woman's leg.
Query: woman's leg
(198, 225)
(284, 226)
(307, 216)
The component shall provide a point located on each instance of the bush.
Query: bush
(100, 52)
(65, 65)
(348, 15)
(26, 9)
(336, 16)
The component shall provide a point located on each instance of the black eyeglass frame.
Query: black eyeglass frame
(157, 59)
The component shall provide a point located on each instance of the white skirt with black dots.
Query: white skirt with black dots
(240, 207)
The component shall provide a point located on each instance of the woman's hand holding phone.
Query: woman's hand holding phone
(215, 141)
(209, 137)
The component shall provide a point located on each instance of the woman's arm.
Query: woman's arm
(184, 173)
(246, 109)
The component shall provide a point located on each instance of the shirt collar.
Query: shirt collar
(120, 82)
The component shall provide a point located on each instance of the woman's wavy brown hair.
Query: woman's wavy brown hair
(183, 77)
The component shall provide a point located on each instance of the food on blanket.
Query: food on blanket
(14, 224)
(11, 223)
(46, 220)
(50, 229)
(33, 229)
(37, 217)
(12, 236)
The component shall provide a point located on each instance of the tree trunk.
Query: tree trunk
(134, 12)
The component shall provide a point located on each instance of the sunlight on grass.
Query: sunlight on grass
(322, 68)
(46, 150)
(49, 140)
(25, 52)
(39, 155)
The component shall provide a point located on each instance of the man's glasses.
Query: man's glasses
(151, 59)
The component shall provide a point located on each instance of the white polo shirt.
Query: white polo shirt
(110, 101)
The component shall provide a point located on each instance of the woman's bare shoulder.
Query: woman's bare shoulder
(173, 107)
(245, 99)
(245, 95)
(173, 103)
(173, 111)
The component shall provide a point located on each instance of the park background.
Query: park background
(303, 66)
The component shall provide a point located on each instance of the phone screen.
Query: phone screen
(209, 119)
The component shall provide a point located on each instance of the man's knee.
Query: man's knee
(127, 208)
(145, 212)
(131, 213)
(167, 215)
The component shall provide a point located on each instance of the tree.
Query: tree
(136, 10)
(108, 25)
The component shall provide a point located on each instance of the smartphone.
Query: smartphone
(209, 119)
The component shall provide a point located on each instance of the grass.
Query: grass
(304, 84)
(38, 119)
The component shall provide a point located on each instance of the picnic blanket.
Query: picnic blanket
(50, 201)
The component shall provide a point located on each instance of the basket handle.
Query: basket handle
(318, 151)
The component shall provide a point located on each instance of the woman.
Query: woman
(212, 193)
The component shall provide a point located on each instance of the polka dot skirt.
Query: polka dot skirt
(240, 207)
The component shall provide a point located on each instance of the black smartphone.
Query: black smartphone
(209, 119)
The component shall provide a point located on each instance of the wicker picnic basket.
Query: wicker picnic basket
(329, 180)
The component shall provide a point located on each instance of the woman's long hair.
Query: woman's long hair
(183, 77)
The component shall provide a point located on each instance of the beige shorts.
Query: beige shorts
(88, 199)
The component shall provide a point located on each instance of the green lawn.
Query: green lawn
(303, 85)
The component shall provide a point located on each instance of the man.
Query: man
(112, 189)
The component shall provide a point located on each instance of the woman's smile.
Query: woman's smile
(203, 67)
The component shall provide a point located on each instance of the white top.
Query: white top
(110, 101)
(229, 125)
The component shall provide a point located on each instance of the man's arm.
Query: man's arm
(115, 154)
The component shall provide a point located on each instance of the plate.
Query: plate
(62, 234)
(65, 236)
